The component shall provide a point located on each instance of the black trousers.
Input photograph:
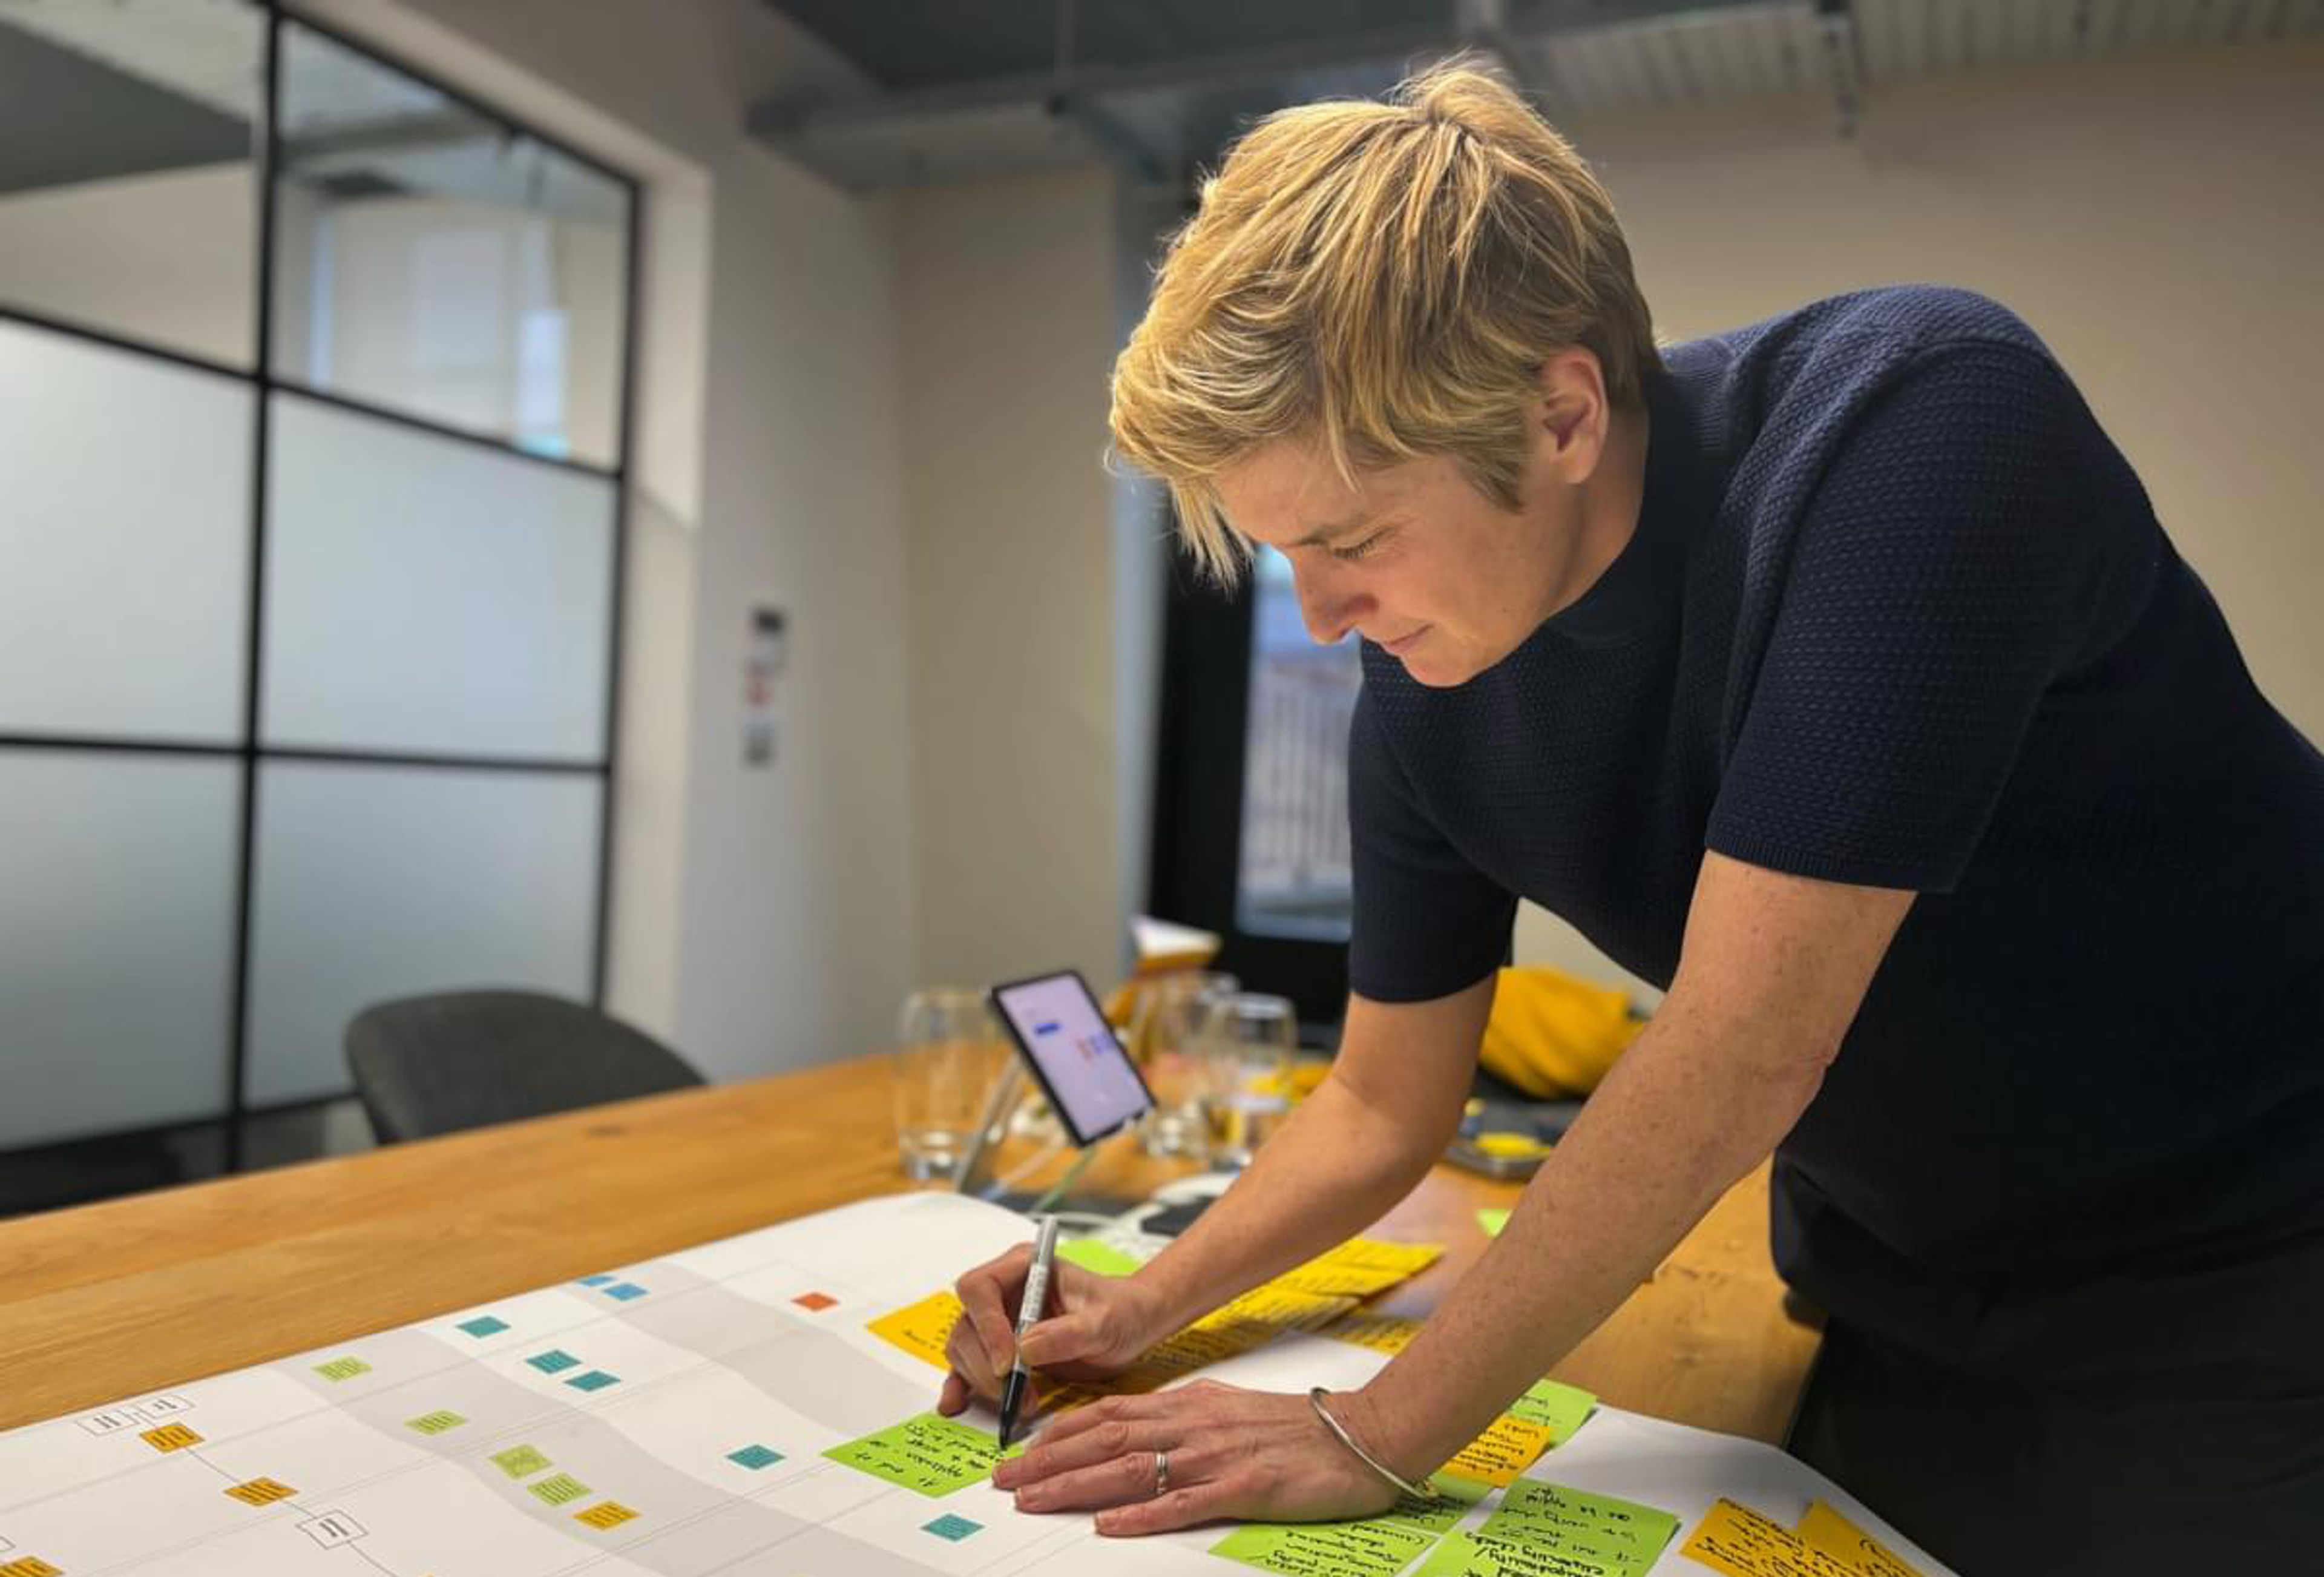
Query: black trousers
(2172, 1425)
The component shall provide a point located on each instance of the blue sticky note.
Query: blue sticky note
(484, 1325)
(754, 1457)
(597, 1380)
(626, 1291)
(949, 1526)
(553, 1362)
(595, 1280)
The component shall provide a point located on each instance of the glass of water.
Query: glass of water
(1248, 1045)
(1173, 1018)
(948, 1053)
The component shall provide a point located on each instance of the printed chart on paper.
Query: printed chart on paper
(762, 1404)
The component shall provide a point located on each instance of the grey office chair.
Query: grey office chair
(432, 1065)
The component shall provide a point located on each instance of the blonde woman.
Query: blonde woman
(1834, 673)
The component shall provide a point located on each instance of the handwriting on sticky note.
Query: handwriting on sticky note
(1374, 1547)
(1507, 1448)
(1360, 1267)
(1465, 1555)
(920, 1329)
(1386, 1333)
(1559, 1408)
(928, 1455)
(1556, 1517)
(1741, 1543)
(1826, 1531)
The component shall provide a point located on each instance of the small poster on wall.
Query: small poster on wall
(765, 656)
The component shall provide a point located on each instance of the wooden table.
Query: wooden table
(106, 1301)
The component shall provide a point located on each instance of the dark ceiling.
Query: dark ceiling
(65, 118)
(906, 44)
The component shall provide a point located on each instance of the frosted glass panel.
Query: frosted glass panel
(429, 595)
(438, 262)
(128, 198)
(116, 941)
(124, 542)
(383, 881)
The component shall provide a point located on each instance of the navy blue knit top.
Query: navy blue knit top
(1898, 613)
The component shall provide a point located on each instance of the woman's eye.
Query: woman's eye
(1363, 549)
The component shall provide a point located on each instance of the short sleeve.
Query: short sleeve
(1427, 923)
(1944, 573)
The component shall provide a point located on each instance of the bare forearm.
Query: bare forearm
(1335, 1168)
(1672, 1128)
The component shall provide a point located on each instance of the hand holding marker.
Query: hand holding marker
(1029, 1314)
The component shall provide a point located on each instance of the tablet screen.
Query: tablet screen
(1089, 1077)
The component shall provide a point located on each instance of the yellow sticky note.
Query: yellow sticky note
(920, 1329)
(1740, 1542)
(170, 1437)
(1503, 1452)
(605, 1514)
(1386, 1333)
(1824, 1530)
(261, 1492)
(29, 1566)
(1360, 1267)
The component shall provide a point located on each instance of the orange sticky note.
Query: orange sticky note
(1503, 1452)
(605, 1514)
(261, 1492)
(920, 1329)
(1740, 1542)
(170, 1437)
(1827, 1531)
(29, 1566)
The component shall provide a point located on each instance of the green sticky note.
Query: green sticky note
(1379, 1546)
(1492, 1220)
(342, 1369)
(1464, 1555)
(1091, 1255)
(518, 1460)
(1559, 1408)
(560, 1488)
(1454, 1495)
(435, 1423)
(929, 1454)
(1552, 1517)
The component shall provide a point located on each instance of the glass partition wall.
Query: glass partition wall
(313, 394)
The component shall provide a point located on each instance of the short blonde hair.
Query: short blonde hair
(1385, 279)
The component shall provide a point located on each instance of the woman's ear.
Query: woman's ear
(1572, 414)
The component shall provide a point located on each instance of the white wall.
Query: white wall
(761, 919)
(2158, 221)
(89, 252)
(1009, 329)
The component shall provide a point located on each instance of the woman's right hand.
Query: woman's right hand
(1093, 1328)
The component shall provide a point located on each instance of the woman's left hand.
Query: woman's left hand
(1199, 1452)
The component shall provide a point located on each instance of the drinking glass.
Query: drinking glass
(1172, 1017)
(1248, 1043)
(949, 1051)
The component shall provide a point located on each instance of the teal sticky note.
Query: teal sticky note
(754, 1457)
(484, 1325)
(597, 1380)
(949, 1526)
(555, 1361)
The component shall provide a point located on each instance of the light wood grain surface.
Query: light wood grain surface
(107, 1301)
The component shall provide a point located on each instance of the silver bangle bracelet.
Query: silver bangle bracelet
(1423, 1490)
